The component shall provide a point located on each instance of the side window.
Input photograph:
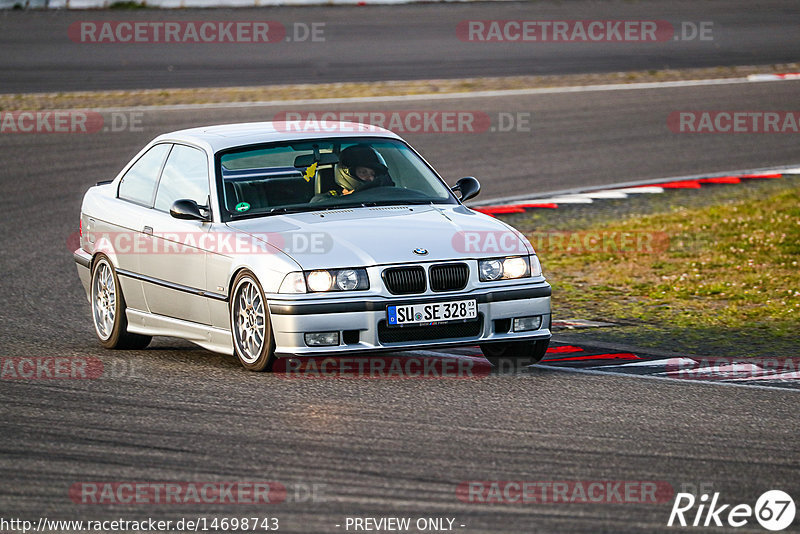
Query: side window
(139, 183)
(185, 176)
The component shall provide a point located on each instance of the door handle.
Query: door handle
(148, 230)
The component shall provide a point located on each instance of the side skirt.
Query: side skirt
(208, 337)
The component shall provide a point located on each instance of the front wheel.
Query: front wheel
(253, 343)
(515, 353)
(108, 309)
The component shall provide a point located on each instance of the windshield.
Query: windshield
(325, 174)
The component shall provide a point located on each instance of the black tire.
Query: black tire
(253, 353)
(106, 297)
(515, 354)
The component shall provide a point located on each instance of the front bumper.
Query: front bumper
(361, 323)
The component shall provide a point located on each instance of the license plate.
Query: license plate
(431, 313)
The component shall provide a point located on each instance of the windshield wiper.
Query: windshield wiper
(291, 209)
(400, 202)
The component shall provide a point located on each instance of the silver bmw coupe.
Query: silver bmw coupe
(269, 240)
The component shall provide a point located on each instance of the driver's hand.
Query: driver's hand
(347, 191)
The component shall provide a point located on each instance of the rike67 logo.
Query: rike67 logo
(774, 510)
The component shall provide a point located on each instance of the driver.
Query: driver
(360, 167)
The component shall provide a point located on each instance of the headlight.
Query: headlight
(515, 267)
(491, 269)
(504, 268)
(319, 280)
(337, 280)
(347, 279)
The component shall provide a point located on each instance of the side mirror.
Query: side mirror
(187, 209)
(469, 187)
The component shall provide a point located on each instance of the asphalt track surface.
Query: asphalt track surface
(380, 447)
(363, 43)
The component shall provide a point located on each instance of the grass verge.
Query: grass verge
(714, 278)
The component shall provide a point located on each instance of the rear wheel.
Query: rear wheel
(250, 324)
(515, 353)
(108, 309)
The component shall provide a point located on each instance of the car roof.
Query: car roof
(223, 136)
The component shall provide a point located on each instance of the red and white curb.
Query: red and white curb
(595, 358)
(622, 191)
(773, 77)
(777, 372)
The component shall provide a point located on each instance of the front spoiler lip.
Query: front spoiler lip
(355, 306)
(404, 347)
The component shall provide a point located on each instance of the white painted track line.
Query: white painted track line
(641, 190)
(451, 96)
(650, 363)
(604, 194)
(569, 199)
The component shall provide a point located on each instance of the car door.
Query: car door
(135, 194)
(174, 270)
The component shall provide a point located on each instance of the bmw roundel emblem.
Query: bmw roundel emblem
(420, 251)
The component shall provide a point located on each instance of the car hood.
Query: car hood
(384, 235)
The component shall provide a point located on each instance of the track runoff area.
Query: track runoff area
(596, 358)
(588, 357)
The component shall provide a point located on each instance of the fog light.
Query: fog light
(526, 324)
(322, 339)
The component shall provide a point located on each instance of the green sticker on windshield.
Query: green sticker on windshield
(242, 207)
